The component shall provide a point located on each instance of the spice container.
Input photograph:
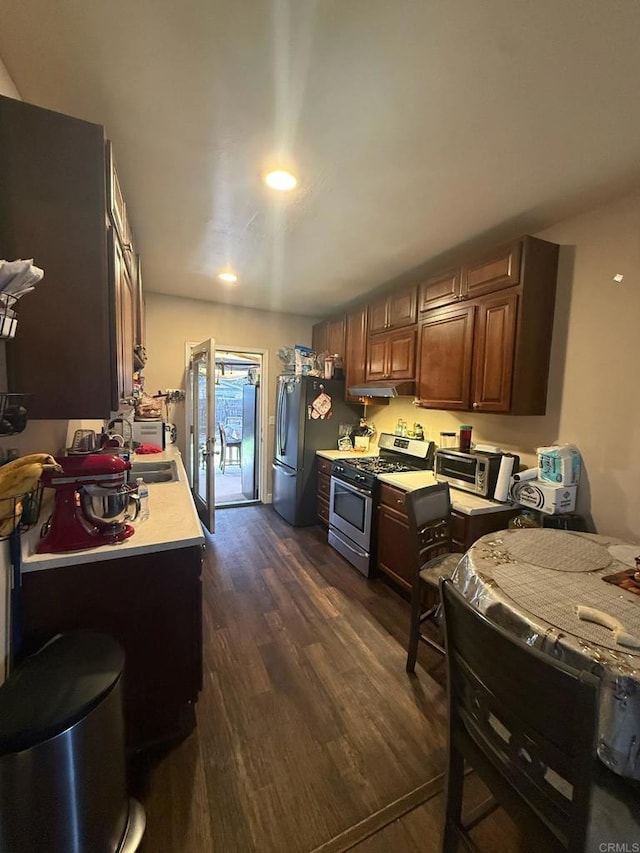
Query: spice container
(465, 438)
(447, 440)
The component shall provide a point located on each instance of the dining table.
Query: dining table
(535, 583)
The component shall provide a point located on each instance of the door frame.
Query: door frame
(263, 407)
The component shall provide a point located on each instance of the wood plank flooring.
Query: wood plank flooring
(307, 723)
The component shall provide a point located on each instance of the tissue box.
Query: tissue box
(546, 497)
(559, 464)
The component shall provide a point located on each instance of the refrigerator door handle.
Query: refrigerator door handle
(284, 415)
(280, 468)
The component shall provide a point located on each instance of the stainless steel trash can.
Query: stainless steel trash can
(62, 760)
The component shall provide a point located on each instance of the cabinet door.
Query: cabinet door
(115, 198)
(494, 353)
(139, 306)
(319, 337)
(492, 271)
(395, 554)
(336, 335)
(377, 357)
(356, 349)
(402, 309)
(401, 355)
(441, 289)
(123, 314)
(378, 316)
(444, 369)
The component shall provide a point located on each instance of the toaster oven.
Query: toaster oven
(471, 471)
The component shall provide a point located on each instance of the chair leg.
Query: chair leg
(414, 630)
(452, 827)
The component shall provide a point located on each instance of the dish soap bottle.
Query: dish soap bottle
(143, 497)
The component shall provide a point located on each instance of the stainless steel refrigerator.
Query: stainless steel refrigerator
(304, 425)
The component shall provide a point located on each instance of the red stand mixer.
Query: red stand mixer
(91, 503)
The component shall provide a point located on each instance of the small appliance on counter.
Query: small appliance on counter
(150, 431)
(91, 505)
(483, 473)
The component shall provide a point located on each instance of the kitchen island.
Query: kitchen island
(146, 592)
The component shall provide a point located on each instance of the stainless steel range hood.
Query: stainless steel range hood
(383, 389)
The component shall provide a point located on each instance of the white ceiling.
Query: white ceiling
(415, 126)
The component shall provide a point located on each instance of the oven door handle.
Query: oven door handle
(360, 552)
(352, 488)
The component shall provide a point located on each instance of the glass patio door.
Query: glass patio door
(202, 430)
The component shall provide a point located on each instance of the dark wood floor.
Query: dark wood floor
(307, 723)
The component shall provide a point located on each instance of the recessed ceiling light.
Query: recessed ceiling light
(281, 180)
(228, 276)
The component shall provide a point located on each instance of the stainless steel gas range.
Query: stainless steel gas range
(354, 490)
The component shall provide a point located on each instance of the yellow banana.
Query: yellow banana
(29, 459)
(10, 514)
(18, 481)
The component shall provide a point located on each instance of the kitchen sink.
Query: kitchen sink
(154, 472)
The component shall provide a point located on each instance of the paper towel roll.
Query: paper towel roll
(504, 478)
(529, 474)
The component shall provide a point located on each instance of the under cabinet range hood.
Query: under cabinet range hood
(390, 388)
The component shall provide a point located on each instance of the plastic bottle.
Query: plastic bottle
(143, 496)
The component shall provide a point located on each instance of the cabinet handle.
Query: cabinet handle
(398, 501)
(476, 405)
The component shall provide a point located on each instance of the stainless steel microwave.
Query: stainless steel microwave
(473, 471)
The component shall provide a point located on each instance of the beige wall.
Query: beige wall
(594, 395)
(172, 321)
(7, 86)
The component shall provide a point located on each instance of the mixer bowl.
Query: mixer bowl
(108, 508)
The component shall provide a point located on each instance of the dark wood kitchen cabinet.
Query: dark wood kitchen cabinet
(489, 270)
(152, 605)
(394, 549)
(69, 350)
(356, 350)
(392, 355)
(324, 488)
(491, 353)
(330, 336)
(467, 529)
(393, 311)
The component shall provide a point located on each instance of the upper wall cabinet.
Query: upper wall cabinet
(73, 348)
(330, 336)
(393, 311)
(356, 350)
(489, 271)
(491, 353)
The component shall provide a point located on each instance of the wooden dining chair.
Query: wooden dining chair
(525, 722)
(429, 513)
(230, 449)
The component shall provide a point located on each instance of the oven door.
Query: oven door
(350, 511)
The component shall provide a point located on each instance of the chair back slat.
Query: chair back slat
(429, 511)
(531, 718)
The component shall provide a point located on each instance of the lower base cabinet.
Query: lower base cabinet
(152, 605)
(324, 489)
(395, 554)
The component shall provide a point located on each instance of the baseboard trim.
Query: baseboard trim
(364, 829)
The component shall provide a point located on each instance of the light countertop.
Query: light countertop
(463, 502)
(173, 523)
(347, 454)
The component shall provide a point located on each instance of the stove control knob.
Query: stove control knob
(360, 477)
(339, 469)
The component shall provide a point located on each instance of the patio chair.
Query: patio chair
(231, 449)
